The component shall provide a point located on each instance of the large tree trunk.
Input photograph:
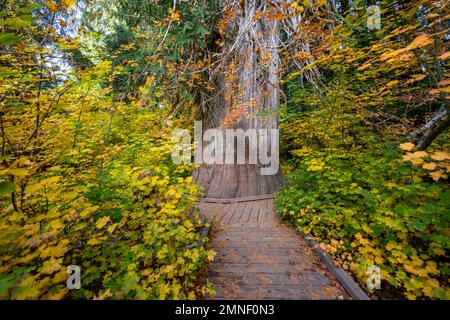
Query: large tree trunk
(247, 95)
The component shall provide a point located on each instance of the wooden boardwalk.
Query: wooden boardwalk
(260, 258)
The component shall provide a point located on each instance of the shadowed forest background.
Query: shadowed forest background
(91, 91)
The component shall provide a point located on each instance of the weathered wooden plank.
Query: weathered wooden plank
(238, 213)
(258, 279)
(231, 213)
(228, 208)
(259, 258)
(243, 199)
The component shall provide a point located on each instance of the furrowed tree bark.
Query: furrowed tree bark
(246, 94)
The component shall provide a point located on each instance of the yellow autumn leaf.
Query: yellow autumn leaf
(436, 176)
(407, 146)
(191, 296)
(211, 254)
(392, 83)
(51, 266)
(444, 83)
(103, 295)
(30, 229)
(440, 156)
(420, 41)
(19, 172)
(438, 90)
(54, 251)
(34, 188)
(392, 54)
(171, 191)
(418, 77)
(429, 166)
(56, 225)
(416, 162)
(49, 181)
(60, 276)
(164, 289)
(102, 222)
(175, 16)
(415, 155)
(24, 161)
(445, 56)
(68, 3)
(364, 66)
(51, 5)
(410, 296)
(93, 242)
(431, 267)
(112, 227)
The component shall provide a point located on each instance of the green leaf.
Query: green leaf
(9, 39)
(7, 72)
(15, 23)
(6, 187)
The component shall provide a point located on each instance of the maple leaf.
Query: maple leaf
(364, 66)
(420, 41)
(51, 266)
(445, 56)
(104, 295)
(51, 5)
(19, 172)
(416, 162)
(429, 166)
(191, 296)
(440, 156)
(174, 15)
(102, 222)
(211, 255)
(444, 83)
(407, 146)
(68, 3)
(415, 155)
(93, 242)
(436, 176)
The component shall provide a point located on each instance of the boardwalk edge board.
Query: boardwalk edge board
(234, 200)
(352, 288)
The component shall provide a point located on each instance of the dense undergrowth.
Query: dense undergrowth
(129, 224)
(359, 179)
(366, 203)
(86, 175)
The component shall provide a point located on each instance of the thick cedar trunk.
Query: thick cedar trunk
(247, 95)
(247, 77)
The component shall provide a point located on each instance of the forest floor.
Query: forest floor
(259, 257)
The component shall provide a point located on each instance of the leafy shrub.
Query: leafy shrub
(367, 206)
(124, 214)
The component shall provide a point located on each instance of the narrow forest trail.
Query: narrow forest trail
(260, 258)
